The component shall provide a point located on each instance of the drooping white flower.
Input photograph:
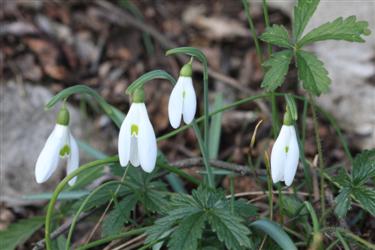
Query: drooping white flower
(285, 155)
(182, 101)
(60, 144)
(137, 141)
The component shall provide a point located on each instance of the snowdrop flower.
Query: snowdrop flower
(285, 153)
(60, 144)
(183, 101)
(137, 141)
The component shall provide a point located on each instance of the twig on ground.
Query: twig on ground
(60, 230)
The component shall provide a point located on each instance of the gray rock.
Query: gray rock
(25, 126)
(351, 98)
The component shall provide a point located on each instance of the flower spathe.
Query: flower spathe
(183, 100)
(137, 141)
(60, 144)
(285, 155)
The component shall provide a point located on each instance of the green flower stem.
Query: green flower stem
(252, 29)
(201, 118)
(274, 112)
(210, 176)
(269, 184)
(61, 186)
(267, 21)
(113, 237)
(83, 205)
(314, 218)
(320, 153)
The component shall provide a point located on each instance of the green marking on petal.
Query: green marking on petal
(65, 151)
(134, 129)
(286, 149)
(183, 94)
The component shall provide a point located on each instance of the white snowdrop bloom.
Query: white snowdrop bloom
(182, 101)
(60, 144)
(285, 155)
(137, 141)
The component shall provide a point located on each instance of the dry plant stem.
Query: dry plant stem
(61, 186)
(120, 17)
(320, 154)
(107, 208)
(131, 242)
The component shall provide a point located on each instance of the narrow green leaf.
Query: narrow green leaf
(275, 232)
(19, 232)
(229, 229)
(115, 220)
(303, 11)
(188, 232)
(194, 52)
(343, 202)
(363, 167)
(311, 73)
(277, 35)
(154, 74)
(348, 29)
(66, 195)
(215, 128)
(277, 68)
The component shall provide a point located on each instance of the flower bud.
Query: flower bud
(63, 116)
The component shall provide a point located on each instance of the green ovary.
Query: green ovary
(134, 129)
(64, 151)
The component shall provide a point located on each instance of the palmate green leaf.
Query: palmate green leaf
(303, 11)
(311, 73)
(363, 167)
(348, 29)
(343, 202)
(244, 209)
(188, 232)
(187, 216)
(115, 220)
(276, 35)
(19, 232)
(366, 197)
(229, 229)
(277, 67)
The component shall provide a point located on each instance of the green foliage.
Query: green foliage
(277, 68)
(115, 220)
(189, 215)
(277, 35)
(348, 29)
(275, 232)
(303, 11)
(19, 232)
(311, 73)
(354, 186)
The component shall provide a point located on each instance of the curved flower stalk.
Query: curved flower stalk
(285, 153)
(137, 140)
(60, 144)
(183, 100)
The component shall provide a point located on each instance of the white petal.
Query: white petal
(73, 160)
(49, 157)
(125, 136)
(278, 155)
(134, 159)
(175, 103)
(292, 157)
(190, 101)
(147, 147)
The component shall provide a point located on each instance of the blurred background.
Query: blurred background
(47, 46)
